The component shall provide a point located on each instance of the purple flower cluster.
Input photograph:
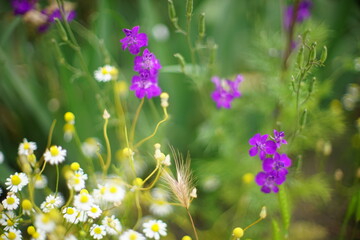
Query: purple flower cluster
(21, 7)
(303, 13)
(226, 91)
(274, 164)
(145, 84)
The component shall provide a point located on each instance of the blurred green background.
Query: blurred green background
(35, 89)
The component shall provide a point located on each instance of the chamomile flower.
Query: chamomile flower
(55, 155)
(51, 202)
(27, 207)
(90, 147)
(40, 181)
(154, 229)
(36, 234)
(26, 148)
(97, 231)
(114, 193)
(160, 205)
(112, 225)
(11, 202)
(9, 220)
(71, 215)
(44, 222)
(106, 73)
(13, 234)
(77, 181)
(83, 201)
(94, 211)
(132, 235)
(16, 182)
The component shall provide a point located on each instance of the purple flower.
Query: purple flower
(134, 40)
(261, 146)
(302, 14)
(147, 61)
(22, 6)
(269, 181)
(69, 16)
(226, 91)
(279, 163)
(279, 138)
(145, 84)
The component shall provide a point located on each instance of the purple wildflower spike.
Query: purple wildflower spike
(279, 138)
(226, 91)
(134, 40)
(302, 14)
(22, 6)
(279, 163)
(262, 146)
(147, 61)
(145, 84)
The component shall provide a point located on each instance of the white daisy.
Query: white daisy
(44, 222)
(154, 229)
(55, 155)
(106, 73)
(38, 235)
(77, 181)
(112, 225)
(83, 201)
(114, 192)
(97, 231)
(16, 182)
(27, 207)
(11, 202)
(90, 147)
(26, 148)
(71, 215)
(9, 220)
(94, 211)
(13, 234)
(40, 181)
(160, 205)
(132, 235)
(52, 202)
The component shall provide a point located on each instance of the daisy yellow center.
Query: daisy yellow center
(54, 151)
(15, 180)
(45, 219)
(133, 236)
(31, 230)
(84, 198)
(11, 235)
(94, 210)
(26, 146)
(97, 230)
(36, 235)
(104, 71)
(10, 200)
(102, 190)
(155, 227)
(70, 211)
(26, 205)
(9, 222)
(77, 180)
(113, 71)
(52, 201)
(113, 189)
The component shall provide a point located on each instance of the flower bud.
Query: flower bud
(193, 193)
(69, 117)
(311, 85)
(303, 119)
(171, 8)
(238, 232)
(106, 115)
(181, 61)
(263, 212)
(164, 99)
(186, 238)
(202, 25)
(312, 55)
(189, 8)
(300, 57)
(323, 55)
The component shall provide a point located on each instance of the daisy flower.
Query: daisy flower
(55, 155)
(160, 206)
(94, 211)
(97, 231)
(40, 181)
(27, 207)
(38, 235)
(52, 202)
(154, 229)
(16, 182)
(44, 222)
(11, 202)
(83, 201)
(132, 235)
(71, 215)
(105, 73)
(114, 193)
(112, 225)
(77, 181)
(9, 220)
(26, 148)
(13, 234)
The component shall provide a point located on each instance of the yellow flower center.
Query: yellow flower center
(69, 117)
(26, 205)
(70, 211)
(54, 151)
(45, 219)
(11, 235)
(155, 227)
(238, 232)
(75, 166)
(94, 210)
(9, 222)
(52, 201)
(104, 71)
(26, 146)
(10, 200)
(114, 71)
(77, 180)
(84, 199)
(36, 235)
(15, 180)
(97, 230)
(102, 190)
(113, 190)
(133, 236)
(31, 230)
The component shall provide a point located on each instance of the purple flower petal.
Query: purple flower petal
(260, 178)
(253, 151)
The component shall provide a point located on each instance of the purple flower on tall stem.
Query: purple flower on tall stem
(69, 16)
(22, 6)
(303, 13)
(279, 163)
(145, 84)
(279, 138)
(147, 61)
(269, 181)
(262, 146)
(226, 91)
(134, 40)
